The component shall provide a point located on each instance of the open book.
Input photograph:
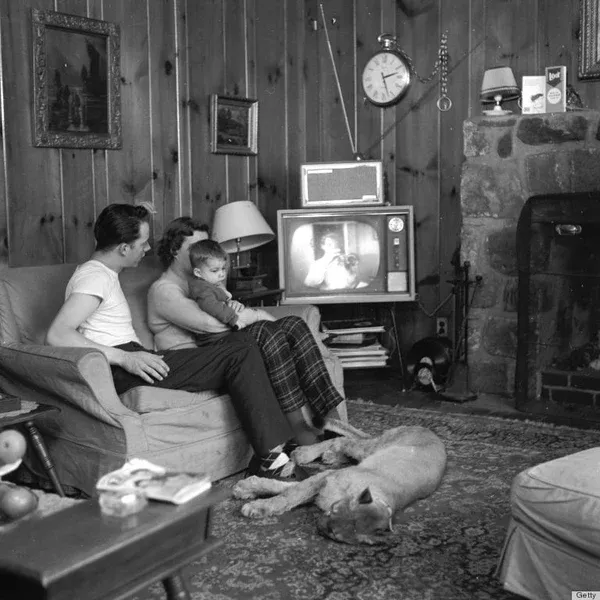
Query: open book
(155, 482)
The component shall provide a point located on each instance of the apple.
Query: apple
(12, 446)
(17, 502)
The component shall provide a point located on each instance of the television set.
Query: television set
(341, 183)
(341, 255)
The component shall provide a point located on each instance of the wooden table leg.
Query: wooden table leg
(40, 447)
(175, 587)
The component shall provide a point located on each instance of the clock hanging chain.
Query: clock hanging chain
(444, 102)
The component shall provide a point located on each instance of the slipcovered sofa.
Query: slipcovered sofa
(96, 430)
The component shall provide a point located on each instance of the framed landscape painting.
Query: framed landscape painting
(234, 125)
(76, 82)
(589, 39)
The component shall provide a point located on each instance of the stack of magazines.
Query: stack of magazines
(356, 343)
(155, 482)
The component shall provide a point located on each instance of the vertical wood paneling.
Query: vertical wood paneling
(33, 174)
(130, 170)
(77, 180)
(272, 139)
(296, 101)
(336, 145)
(163, 68)
(100, 179)
(206, 77)
(369, 22)
(454, 19)
(236, 84)
(417, 162)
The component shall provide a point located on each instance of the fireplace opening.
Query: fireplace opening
(558, 328)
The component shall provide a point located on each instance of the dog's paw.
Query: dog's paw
(258, 509)
(332, 457)
(304, 455)
(246, 489)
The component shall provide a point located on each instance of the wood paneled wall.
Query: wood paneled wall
(176, 53)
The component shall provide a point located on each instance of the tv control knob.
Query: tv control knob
(396, 224)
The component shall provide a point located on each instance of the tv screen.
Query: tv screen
(341, 255)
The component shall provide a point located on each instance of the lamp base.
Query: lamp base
(497, 113)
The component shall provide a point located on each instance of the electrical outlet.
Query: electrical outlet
(441, 327)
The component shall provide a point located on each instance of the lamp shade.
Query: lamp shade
(499, 81)
(239, 226)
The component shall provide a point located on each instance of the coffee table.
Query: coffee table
(80, 553)
(27, 414)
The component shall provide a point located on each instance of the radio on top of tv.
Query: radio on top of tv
(341, 255)
(342, 183)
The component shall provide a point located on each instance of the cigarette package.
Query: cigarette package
(556, 89)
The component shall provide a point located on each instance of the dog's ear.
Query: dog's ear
(365, 497)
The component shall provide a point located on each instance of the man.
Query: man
(96, 315)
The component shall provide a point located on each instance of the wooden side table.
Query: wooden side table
(26, 416)
(80, 553)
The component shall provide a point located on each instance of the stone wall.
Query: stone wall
(508, 160)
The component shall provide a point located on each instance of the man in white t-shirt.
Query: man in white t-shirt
(96, 315)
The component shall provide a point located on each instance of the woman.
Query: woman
(294, 363)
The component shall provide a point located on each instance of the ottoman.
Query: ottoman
(552, 545)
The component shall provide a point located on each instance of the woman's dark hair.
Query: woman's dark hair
(119, 224)
(173, 236)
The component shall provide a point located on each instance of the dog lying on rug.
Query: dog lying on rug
(394, 470)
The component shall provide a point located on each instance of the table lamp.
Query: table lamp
(238, 227)
(498, 85)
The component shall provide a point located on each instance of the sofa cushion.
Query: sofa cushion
(145, 399)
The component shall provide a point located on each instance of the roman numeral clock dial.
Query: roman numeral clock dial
(386, 77)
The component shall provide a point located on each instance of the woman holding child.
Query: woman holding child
(294, 362)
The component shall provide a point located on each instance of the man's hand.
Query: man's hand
(150, 367)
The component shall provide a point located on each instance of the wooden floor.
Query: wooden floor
(384, 386)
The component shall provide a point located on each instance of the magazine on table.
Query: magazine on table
(154, 481)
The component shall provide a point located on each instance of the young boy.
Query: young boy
(210, 265)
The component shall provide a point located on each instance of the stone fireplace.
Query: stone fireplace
(516, 171)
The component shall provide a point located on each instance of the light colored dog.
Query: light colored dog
(394, 470)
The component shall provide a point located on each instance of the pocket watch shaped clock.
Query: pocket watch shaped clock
(387, 75)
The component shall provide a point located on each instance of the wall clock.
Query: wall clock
(387, 76)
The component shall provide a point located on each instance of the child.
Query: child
(209, 268)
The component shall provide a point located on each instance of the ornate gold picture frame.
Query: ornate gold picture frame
(589, 42)
(76, 82)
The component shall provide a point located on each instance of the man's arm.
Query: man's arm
(63, 331)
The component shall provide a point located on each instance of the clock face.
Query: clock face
(385, 78)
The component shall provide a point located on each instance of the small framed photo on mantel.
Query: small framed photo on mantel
(234, 125)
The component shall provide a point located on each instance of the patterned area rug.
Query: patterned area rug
(447, 548)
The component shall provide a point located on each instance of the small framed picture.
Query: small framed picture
(76, 82)
(234, 125)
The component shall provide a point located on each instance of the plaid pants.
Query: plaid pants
(295, 365)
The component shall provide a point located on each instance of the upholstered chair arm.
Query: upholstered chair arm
(78, 376)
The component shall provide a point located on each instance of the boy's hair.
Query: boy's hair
(201, 251)
(173, 237)
(119, 224)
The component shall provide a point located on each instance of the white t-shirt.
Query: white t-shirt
(111, 323)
